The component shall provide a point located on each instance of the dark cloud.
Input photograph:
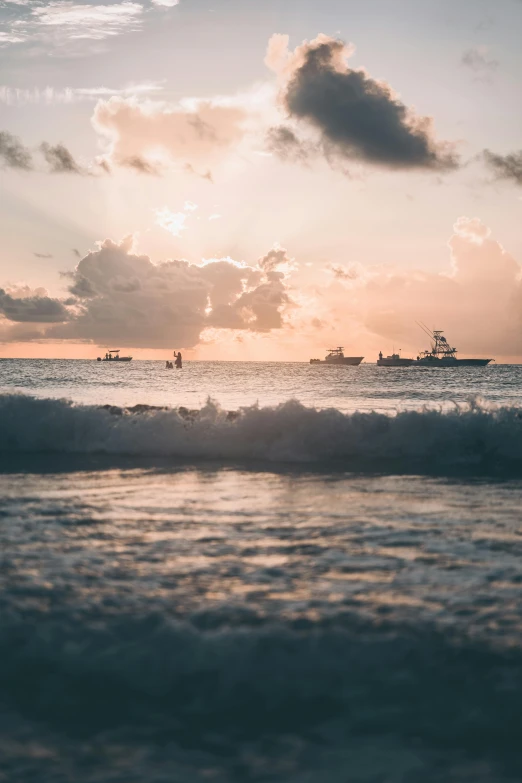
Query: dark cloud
(505, 166)
(43, 255)
(283, 142)
(357, 117)
(59, 159)
(13, 154)
(33, 309)
(81, 286)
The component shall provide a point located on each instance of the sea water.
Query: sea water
(260, 572)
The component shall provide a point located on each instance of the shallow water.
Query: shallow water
(279, 596)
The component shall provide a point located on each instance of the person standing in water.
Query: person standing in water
(178, 361)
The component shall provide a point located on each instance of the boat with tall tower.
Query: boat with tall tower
(442, 354)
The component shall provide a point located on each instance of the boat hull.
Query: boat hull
(350, 361)
(117, 361)
(395, 362)
(439, 363)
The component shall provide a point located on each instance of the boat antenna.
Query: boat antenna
(425, 329)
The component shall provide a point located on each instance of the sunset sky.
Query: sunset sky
(260, 180)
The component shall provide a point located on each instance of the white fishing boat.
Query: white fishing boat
(335, 357)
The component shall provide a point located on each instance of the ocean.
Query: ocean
(260, 572)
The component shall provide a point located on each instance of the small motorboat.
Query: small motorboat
(114, 356)
(335, 356)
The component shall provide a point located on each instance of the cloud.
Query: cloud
(123, 297)
(357, 117)
(10, 38)
(261, 307)
(283, 142)
(341, 272)
(49, 96)
(33, 308)
(165, 3)
(505, 166)
(173, 222)
(43, 255)
(196, 134)
(13, 154)
(206, 175)
(75, 21)
(471, 228)
(139, 164)
(476, 59)
(59, 159)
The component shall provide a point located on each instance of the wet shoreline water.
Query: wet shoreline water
(288, 594)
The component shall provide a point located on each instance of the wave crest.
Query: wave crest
(469, 437)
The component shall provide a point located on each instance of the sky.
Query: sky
(249, 180)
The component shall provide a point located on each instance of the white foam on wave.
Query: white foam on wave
(290, 432)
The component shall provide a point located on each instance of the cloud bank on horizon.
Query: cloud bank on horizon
(117, 295)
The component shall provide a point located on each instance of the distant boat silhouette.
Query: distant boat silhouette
(335, 356)
(116, 358)
(442, 354)
(395, 360)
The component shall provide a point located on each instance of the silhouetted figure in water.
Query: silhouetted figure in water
(178, 361)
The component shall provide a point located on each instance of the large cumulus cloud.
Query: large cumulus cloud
(123, 297)
(356, 116)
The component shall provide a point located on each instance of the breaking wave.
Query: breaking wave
(471, 437)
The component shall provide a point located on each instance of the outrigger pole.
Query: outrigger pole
(425, 329)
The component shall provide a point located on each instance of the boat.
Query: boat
(114, 356)
(443, 355)
(395, 360)
(335, 357)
